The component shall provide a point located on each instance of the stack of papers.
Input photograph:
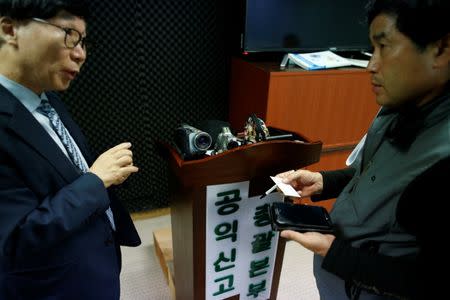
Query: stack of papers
(321, 60)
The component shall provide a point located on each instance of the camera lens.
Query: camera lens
(202, 141)
(232, 144)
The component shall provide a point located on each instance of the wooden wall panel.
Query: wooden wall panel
(248, 93)
(334, 106)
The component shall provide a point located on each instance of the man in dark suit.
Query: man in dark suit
(60, 227)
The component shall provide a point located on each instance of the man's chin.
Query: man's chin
(382, 100)
(62, 86)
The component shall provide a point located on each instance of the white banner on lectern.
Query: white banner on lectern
(240, 245)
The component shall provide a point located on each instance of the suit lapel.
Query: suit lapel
(26, 127)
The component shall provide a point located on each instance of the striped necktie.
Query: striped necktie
(75, 156)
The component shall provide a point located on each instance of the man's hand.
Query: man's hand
(305, 182)
(114, 165)
(315, 241)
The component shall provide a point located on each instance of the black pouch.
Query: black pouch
(299, 217)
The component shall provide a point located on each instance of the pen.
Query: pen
(268, 191)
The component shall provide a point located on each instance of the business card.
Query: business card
(286, 189)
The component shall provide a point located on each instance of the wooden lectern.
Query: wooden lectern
(189, 179)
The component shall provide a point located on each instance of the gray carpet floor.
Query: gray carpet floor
(143, 279)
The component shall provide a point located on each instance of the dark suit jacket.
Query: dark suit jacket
(55, 239)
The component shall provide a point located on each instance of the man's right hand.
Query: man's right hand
(305, 182)
(114, 165)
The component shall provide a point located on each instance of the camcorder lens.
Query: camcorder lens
(232, 145)
(203, 141)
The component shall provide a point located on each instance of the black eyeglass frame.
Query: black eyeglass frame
(68, 31)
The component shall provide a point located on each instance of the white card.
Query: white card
(287, 189)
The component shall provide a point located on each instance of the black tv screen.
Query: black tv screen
(303, 25)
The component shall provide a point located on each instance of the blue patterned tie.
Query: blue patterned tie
(47, 110)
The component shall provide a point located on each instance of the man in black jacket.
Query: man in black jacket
(382, 245)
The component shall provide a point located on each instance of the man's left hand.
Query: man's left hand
(317, 242)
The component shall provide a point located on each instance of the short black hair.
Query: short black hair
(423, 21)
(44, 9)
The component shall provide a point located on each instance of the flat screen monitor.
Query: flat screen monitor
(303, 25)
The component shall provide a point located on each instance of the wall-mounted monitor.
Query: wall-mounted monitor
(302, 25)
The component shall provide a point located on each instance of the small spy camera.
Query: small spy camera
(191, 142)
(255, 130)
(226, 141)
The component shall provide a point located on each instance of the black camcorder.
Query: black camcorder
(191, 142)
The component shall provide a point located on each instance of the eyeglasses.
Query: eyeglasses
(72, 38)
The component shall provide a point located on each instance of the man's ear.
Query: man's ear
(442, 54)
(8, 31)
